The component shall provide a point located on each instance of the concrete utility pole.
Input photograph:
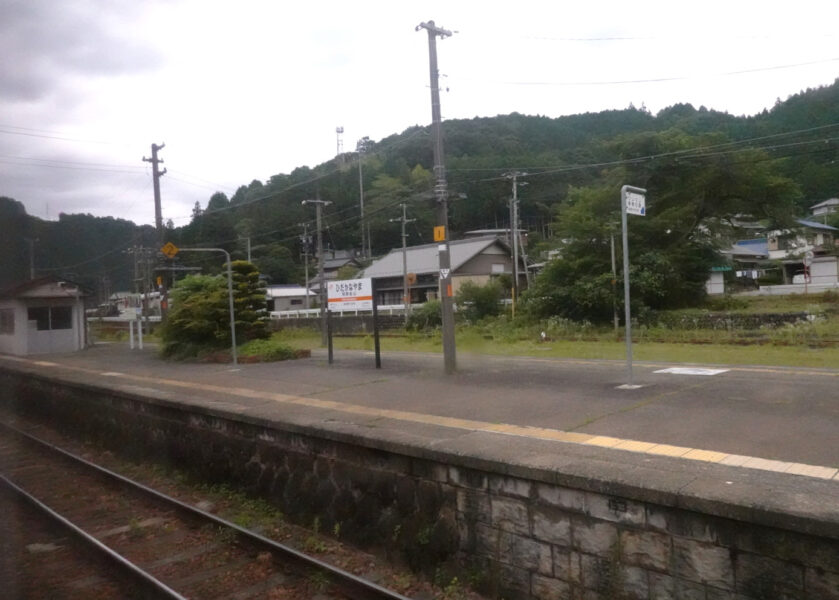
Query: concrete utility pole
(158, 217)
(364, 253)
(31, 242)
(441, 193)
(514, 232)
(305, 241)
(406, 298)
(157, 174)
(319, 204)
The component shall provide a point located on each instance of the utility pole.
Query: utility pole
(319, 204)
(514, 232)
(306, 242)
(157, 174)
(364, 253)
(158, 218)
(614, 278)
(31, 242)
(248, 243)
(406, 298)
(441, 194)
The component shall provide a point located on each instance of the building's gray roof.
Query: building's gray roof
(829, 202)
(816, 225)
(424, 259)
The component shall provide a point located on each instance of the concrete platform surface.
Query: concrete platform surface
(770, 419)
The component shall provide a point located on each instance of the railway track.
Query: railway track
(155, 546)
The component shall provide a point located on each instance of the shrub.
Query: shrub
(428, 316)
(268, 350)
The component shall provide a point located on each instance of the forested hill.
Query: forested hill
(773, 164)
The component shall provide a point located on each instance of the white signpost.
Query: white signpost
(350, 294)
(633, 202)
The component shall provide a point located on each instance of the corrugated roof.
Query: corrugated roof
(815, 225)
(424, 259)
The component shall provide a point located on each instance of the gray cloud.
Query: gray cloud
(43, 42)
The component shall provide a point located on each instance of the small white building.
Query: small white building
(42, 316)
(289, 297)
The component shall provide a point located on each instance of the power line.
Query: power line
(659, 79)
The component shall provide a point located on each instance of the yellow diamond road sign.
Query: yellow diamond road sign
(170, 250)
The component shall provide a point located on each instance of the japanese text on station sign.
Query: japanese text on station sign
(352, 294)
(636, 204)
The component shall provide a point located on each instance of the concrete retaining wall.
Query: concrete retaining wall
(521, 532)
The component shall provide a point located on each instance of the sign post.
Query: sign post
(354, 294)
(633, 202)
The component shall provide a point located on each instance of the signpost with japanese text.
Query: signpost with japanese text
(351, 295)
(633, 202)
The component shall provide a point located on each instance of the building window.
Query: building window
(41, 316)
(497, 268)
(47, 318)
(7, 321)
(296, 302)
(61, 317)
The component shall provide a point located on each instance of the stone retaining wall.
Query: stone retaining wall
(520, 537)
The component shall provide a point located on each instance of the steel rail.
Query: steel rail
(150, 586)
(353, 586)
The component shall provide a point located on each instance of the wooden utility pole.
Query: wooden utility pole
(442, 195)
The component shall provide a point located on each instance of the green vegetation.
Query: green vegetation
(199, 320)
(809, 343)
(699, 165)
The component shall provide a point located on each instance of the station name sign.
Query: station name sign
(350, 294)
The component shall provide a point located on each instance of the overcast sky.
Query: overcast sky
(244, 90)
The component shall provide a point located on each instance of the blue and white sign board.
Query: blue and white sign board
(636, 204)
(350, 294)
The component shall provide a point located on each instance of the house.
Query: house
(333, 260)
(42, 316)
(825, 208)
(475, 259)
(289, 297)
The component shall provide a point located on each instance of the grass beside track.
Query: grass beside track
(702, 353)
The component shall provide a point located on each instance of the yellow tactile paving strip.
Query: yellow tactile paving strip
(734, 460)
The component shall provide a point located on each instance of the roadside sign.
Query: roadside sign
(350, 294)
(808, 258)
(412, 278)
(636, 204)
(170, 250)
(440, 233)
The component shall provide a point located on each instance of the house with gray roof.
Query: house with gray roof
(474, 259)
(825, 208)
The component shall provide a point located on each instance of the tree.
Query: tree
(249, 301)
(199, 318)
(690, 195)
